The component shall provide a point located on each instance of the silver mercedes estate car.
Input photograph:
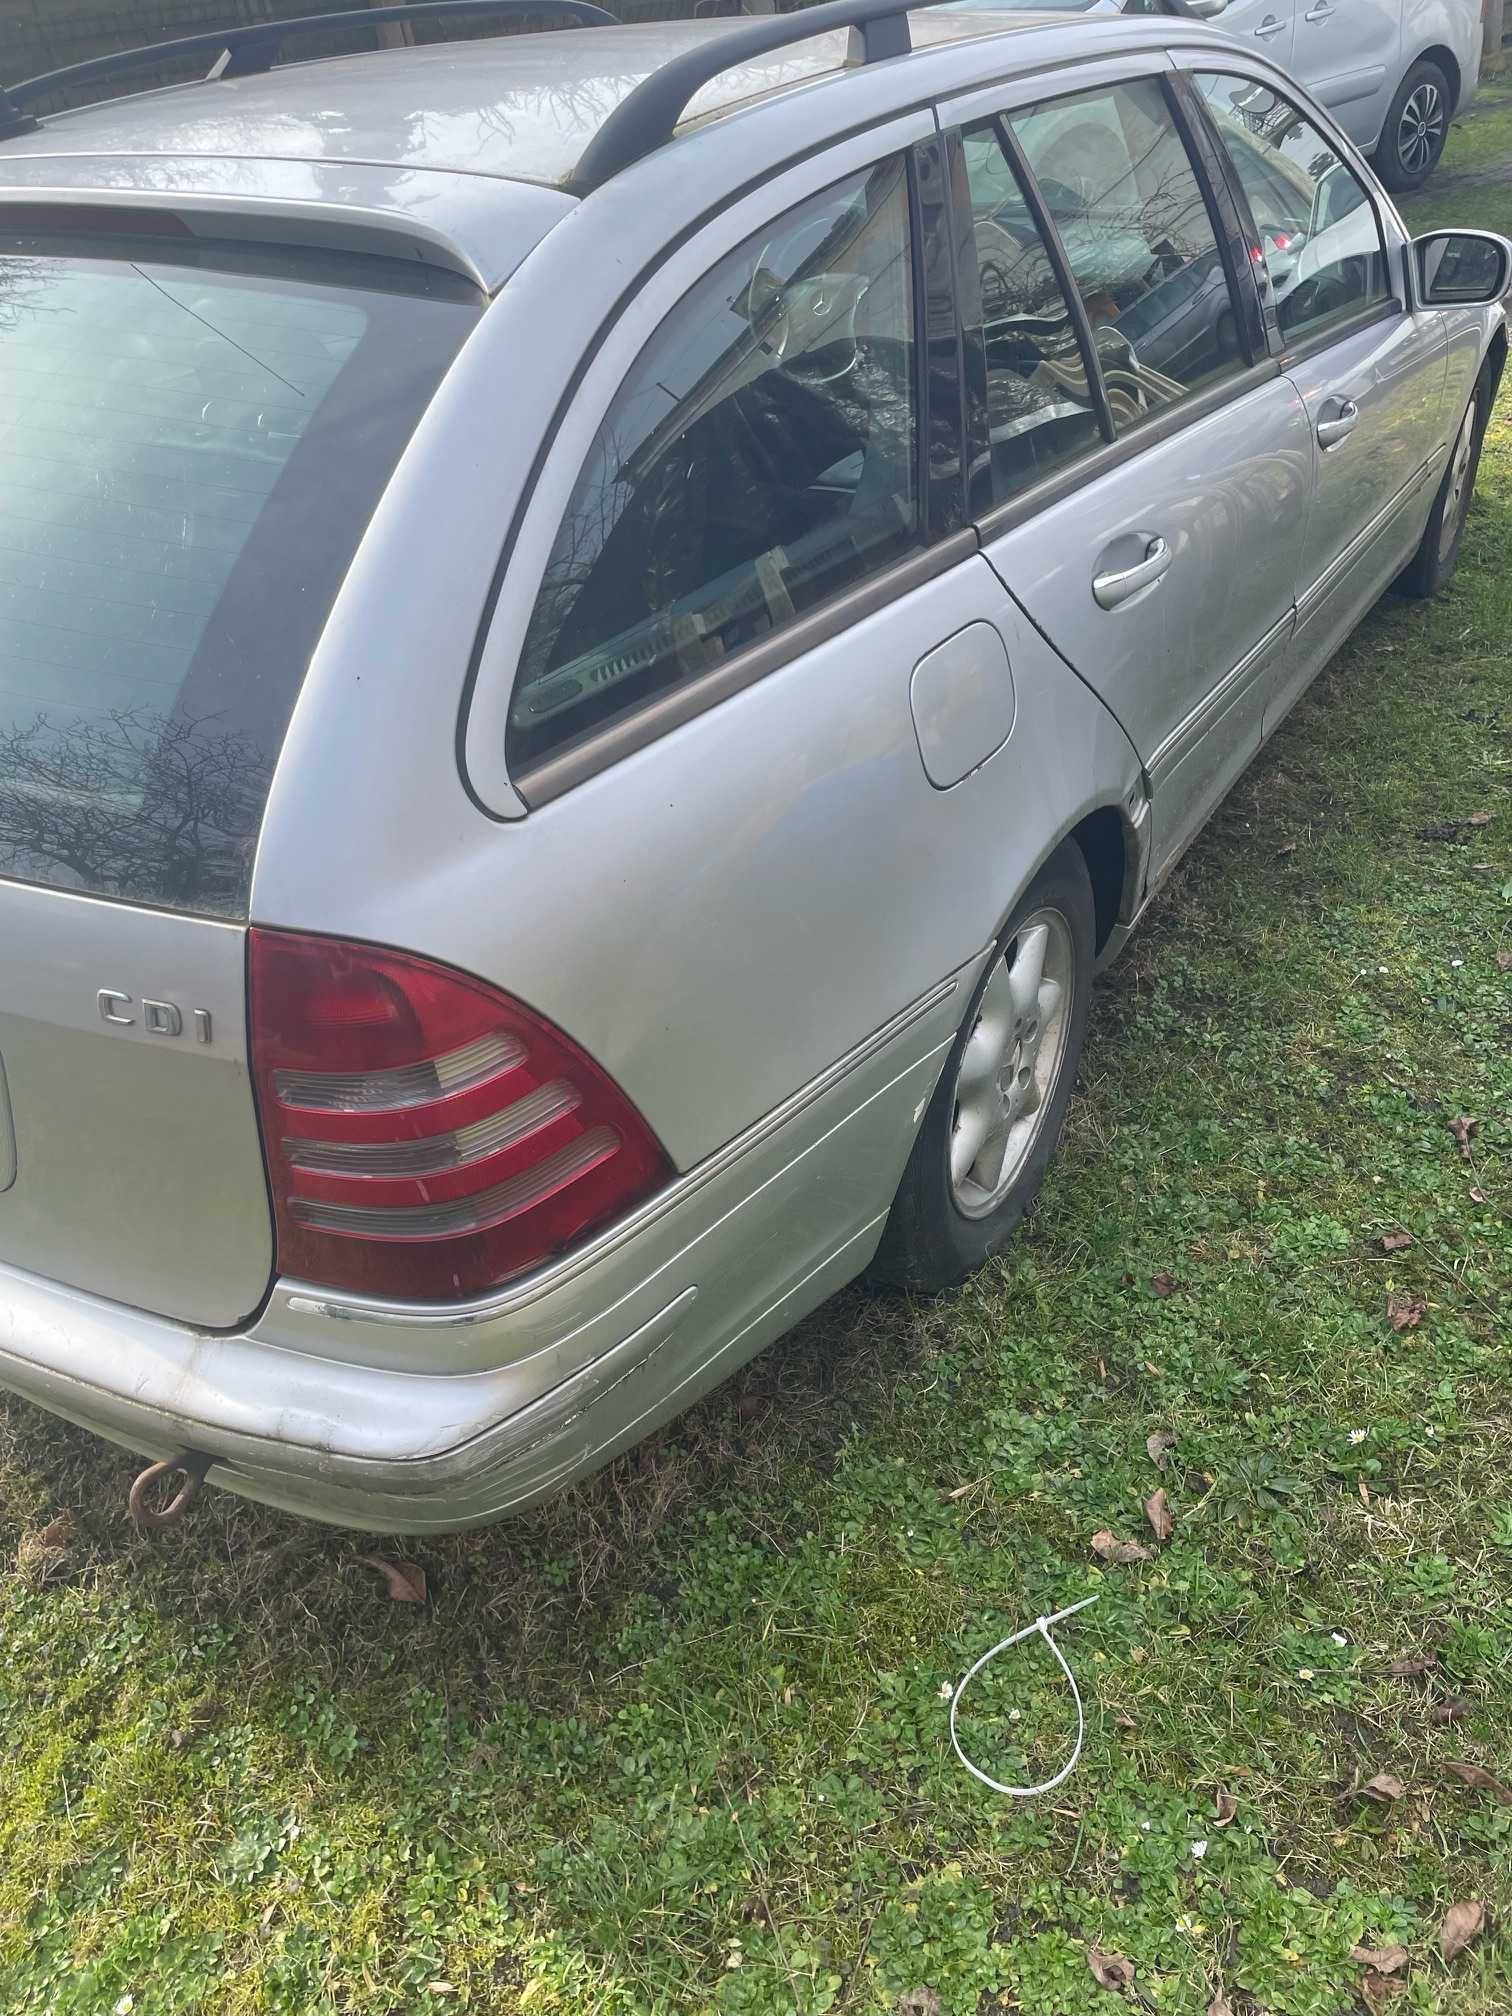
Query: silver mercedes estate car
(603, 629)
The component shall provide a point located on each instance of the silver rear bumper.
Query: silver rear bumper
(420, 1420)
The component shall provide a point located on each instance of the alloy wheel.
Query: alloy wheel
(1012, 1059)
(1420, 130)
(1457, 503)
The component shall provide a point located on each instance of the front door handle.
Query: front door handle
(1319, 13)
(1338, 425)
(1271, 25)
(1108, 590)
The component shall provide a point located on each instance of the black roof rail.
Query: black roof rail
(242, 52)
(647, 118)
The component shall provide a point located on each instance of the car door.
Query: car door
(1267, 25)
(1369, 369)
(1143, 478)
(1348, 54)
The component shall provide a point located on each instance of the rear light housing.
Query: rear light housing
(427, 1136)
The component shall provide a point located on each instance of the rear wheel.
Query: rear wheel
(1416, 128)
(996, 1115)
(1437, 555)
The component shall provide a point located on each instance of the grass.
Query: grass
(678, 1741)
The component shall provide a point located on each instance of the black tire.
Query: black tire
(1435, 560)
(1416, 127)
(931, 1242)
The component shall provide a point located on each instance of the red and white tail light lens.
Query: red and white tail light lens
(427, 1136)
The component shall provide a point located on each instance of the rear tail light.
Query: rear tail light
(427, 1137)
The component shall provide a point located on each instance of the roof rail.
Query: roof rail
(647, 118)
(241, 52)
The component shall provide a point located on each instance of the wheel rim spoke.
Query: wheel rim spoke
(1027, 970)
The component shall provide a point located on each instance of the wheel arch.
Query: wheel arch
(1449, 63)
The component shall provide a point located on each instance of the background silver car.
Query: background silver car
(602, 630)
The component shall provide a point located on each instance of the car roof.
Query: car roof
(521, 107)
(426, 135)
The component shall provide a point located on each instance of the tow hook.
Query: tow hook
(191, 1466)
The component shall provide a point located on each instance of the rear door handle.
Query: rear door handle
(1271, 25)
(1108, 590)
(1318, 13)
(1333, 430)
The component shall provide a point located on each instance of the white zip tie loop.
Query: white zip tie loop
(1042, 1626)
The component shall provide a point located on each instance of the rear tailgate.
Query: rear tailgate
(193, 436)
(138, 1170)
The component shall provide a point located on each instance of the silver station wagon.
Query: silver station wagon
(602, 630)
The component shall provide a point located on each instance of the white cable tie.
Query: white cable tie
(1042, 1626)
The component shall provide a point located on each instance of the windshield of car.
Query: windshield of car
(191, 445)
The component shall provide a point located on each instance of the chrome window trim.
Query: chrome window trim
(303, 1299)
(606, 746)
(1174, 419)
(1339, 332)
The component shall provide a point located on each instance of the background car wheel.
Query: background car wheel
(997, 1111)
(1416, 128)
(1435, 559)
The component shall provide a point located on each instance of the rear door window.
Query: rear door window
(1041, 409)
(190, 449)
(1317, 232)
(761, 456)
(1115, 177)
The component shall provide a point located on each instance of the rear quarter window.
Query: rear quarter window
(190, 450)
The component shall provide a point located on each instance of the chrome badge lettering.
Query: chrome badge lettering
(158, 1018)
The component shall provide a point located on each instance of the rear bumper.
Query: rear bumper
(420, 1420)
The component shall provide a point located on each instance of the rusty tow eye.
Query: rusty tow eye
(191, 1467)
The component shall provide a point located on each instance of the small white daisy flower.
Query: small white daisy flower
(1199, 1849)
(1304, 1673)
(125, 2006)
(1144, 1826)
(946, 1690)
(1338, 1637)
(1357, 1436)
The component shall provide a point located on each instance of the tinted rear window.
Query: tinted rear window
(190, 449)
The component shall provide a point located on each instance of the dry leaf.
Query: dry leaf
(1108, 1547)
(1479, 819)
(1159, 1446)
(1462, 1126)
(1225, 1807)
(1125, 1722)
(1158, 1512)
(1405, 1312)
(1162, 1285)
(1393, 1242)
(1287, 847)
(1504, 961)
(1479, 1197)
(1383, 1788)
(1383, 1959)
(918, 2002)
(1462, 1924)
(961, 1490)
(1472, 1774)
(1220, 2005)
(405, 1579)
(1449, 1710)
(1412, 1669)
(1379, 1990)
(1111, 1970)
(59, 1533)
